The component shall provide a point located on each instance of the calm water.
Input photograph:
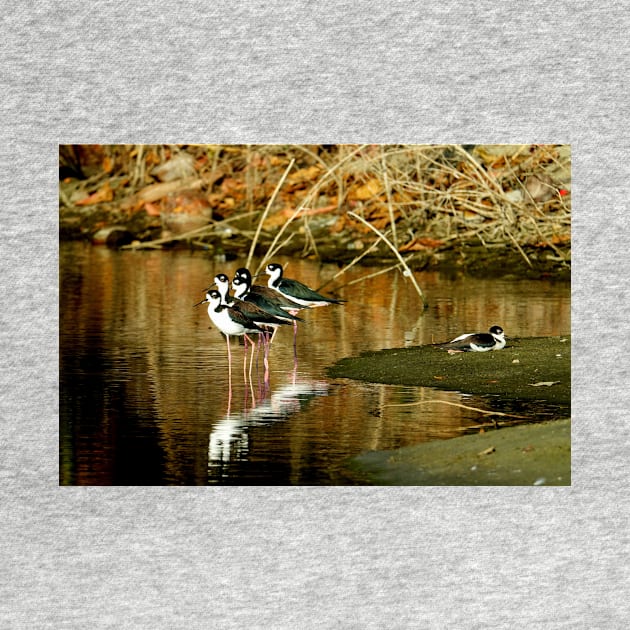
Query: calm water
(144, 387)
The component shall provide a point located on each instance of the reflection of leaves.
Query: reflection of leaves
(544, 384)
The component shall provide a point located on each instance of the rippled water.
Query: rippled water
(144, 389)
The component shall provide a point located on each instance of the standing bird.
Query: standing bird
(272, 295)
(242, 291)
(295, 290)
(230, 321)
(260, 316)
(494, 339)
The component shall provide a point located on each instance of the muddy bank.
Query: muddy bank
(109, 225)
(529, 374)
(538, 454)
(490, 210)
(514, 373)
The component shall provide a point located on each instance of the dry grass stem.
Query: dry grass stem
(408, 272)
(307, 200)
(416, 198)
(266, 212)
(445, 402)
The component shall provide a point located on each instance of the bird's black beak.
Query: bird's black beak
(199, 303)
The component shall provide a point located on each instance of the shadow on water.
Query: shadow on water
(144, 392)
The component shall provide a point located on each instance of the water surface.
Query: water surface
(144, 390)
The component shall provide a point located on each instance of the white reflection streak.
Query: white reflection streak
(228, 435)
(229, 438)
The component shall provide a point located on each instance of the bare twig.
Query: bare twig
(520, 249)
(305, 202)
(407, 272)
(266, 212)
(444, 402)
(388, 193)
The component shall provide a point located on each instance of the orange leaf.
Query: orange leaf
(305, 174)
(104, 193)
(108, 164)
(152, 209)
(370, 189)
(418, 244)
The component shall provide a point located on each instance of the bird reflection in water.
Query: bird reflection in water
(229, 438)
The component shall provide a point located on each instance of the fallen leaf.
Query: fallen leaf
(153, 210)
(539, 187)
(370, 189)
(418, 244)
(544, 383)
(487, 451)
(104, 193)
(108, 164)
(310, 173)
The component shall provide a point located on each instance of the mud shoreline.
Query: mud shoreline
(528, 372)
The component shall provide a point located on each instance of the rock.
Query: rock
(112, 236)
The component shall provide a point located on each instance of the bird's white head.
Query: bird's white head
(240, 287)
(275, 271)
(213, 298)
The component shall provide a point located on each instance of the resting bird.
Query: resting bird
(494, 339)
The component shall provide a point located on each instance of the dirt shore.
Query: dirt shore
(528, 373)
(536, 454)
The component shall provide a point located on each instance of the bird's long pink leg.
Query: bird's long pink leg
(245, 338)
(227, 340)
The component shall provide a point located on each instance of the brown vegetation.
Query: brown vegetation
(415, 204)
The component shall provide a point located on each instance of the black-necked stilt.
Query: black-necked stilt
(230, 321)
(241, 288)
(272, 295)
(261, 317)
(477, 342)
(295, 290)
(283, 302)
(253, 312)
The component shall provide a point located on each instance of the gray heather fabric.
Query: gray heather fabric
(293, 72)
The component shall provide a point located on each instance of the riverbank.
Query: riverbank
(528, 374)
(490, 210)
(537, 454)
(528, 369)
